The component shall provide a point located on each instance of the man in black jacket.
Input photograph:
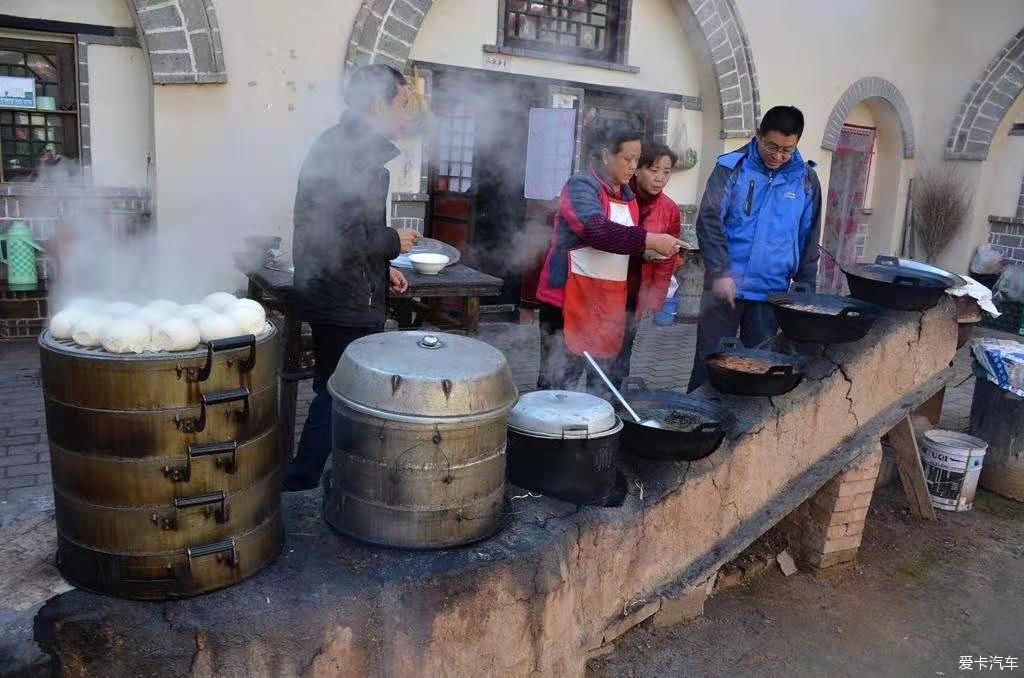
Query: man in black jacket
(342, 244)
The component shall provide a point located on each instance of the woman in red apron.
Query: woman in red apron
(650, 275)
(583, 287)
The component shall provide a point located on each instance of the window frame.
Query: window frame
(618, 36)
(66, 47)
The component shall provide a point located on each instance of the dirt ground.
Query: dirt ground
(921, 596)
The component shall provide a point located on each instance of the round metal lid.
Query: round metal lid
(423, 374)
(563, 414)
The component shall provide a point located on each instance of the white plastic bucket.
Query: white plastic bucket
(952, 465)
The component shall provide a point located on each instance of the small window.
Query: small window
(29, 136)
(456, 143)
(587, 28)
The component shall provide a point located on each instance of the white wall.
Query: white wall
(100, 12)
(455, 32)
(121, 107)
(228, 156)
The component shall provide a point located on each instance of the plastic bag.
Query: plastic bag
(987, 260)
(673, 287)
(1010, 286)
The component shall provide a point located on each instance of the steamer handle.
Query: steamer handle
(220, 397)
(218, 497)
(218, 345)
(183, 474)
(213, 548)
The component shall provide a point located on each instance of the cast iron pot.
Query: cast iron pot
(845, 319)
(563, 444)
(891, 285)
(665, 444)
(782, 372)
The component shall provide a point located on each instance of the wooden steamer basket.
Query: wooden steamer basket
(166, 466)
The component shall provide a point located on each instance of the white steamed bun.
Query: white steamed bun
(120, 309)
(126, 335)
(84, 303)
(167, 306)
(217, 326)
(86, 332)
(152, 316)
(62, 322)
(220, 301)
(194, 312)
(251, 317)
(175, 334)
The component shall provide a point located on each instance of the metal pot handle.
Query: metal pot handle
(169, 521)
(884, 260)
(849, 312)
(197, 424)
(906, 281)
(728, 343)
(708, 427)
(217, 547)
(780, 369)
(194, 374)
(634, 384)
(182, 474)
(574, 428)
(800, 288)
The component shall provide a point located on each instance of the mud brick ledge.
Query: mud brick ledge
(556, 584)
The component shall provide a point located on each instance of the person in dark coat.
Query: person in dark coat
(342, 245)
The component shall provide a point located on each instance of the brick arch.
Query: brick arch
(987, 102)
(384, 32)
(870, 88)
(182, 38)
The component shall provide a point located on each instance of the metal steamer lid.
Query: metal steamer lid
(563, 414)
(419, 375)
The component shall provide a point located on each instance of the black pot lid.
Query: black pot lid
(563, 414)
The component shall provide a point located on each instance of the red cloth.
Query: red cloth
(659, 214)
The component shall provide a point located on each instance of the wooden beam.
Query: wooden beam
(908, 462)
(932, 408)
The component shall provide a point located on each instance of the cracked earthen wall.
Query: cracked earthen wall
(554, 585)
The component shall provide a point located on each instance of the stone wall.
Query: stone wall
(1007, 234)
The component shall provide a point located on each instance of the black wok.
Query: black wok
(825, 318)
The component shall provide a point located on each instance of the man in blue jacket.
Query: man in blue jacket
(758, 225)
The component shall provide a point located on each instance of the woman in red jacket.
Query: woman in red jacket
(650, 274)
(583, 286)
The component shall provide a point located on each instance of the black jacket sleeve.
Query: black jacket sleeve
(710, 229)
(807, 273)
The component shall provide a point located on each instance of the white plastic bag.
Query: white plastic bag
(987, 260)
(1010, 286)
(673, 287)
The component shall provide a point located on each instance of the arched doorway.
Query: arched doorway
(870, 135)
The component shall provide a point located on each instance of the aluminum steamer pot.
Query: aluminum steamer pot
(419, 440)
(563, 444)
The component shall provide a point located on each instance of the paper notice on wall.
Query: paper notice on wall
(550, 149)
(18, 92)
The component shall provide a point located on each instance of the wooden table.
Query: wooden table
(275, 290)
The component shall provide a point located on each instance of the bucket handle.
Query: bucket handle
(182, 474)
(197, 424)
(214, 548)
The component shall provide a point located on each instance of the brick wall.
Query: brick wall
(1007, 235)
(124, 211)
(22, 314)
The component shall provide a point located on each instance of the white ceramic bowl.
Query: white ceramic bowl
(429, 264)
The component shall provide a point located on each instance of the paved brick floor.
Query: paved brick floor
(662, 356)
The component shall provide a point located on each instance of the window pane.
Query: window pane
(21, 118)
(54, 120)
(9, 58)
(42, 67)
(6, 117)
(38, 120)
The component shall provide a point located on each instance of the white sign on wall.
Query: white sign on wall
(497, 62)
(17, 92)
(550, 149)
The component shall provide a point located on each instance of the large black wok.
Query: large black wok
(710, 424)
(825, 318)
(889, 284)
